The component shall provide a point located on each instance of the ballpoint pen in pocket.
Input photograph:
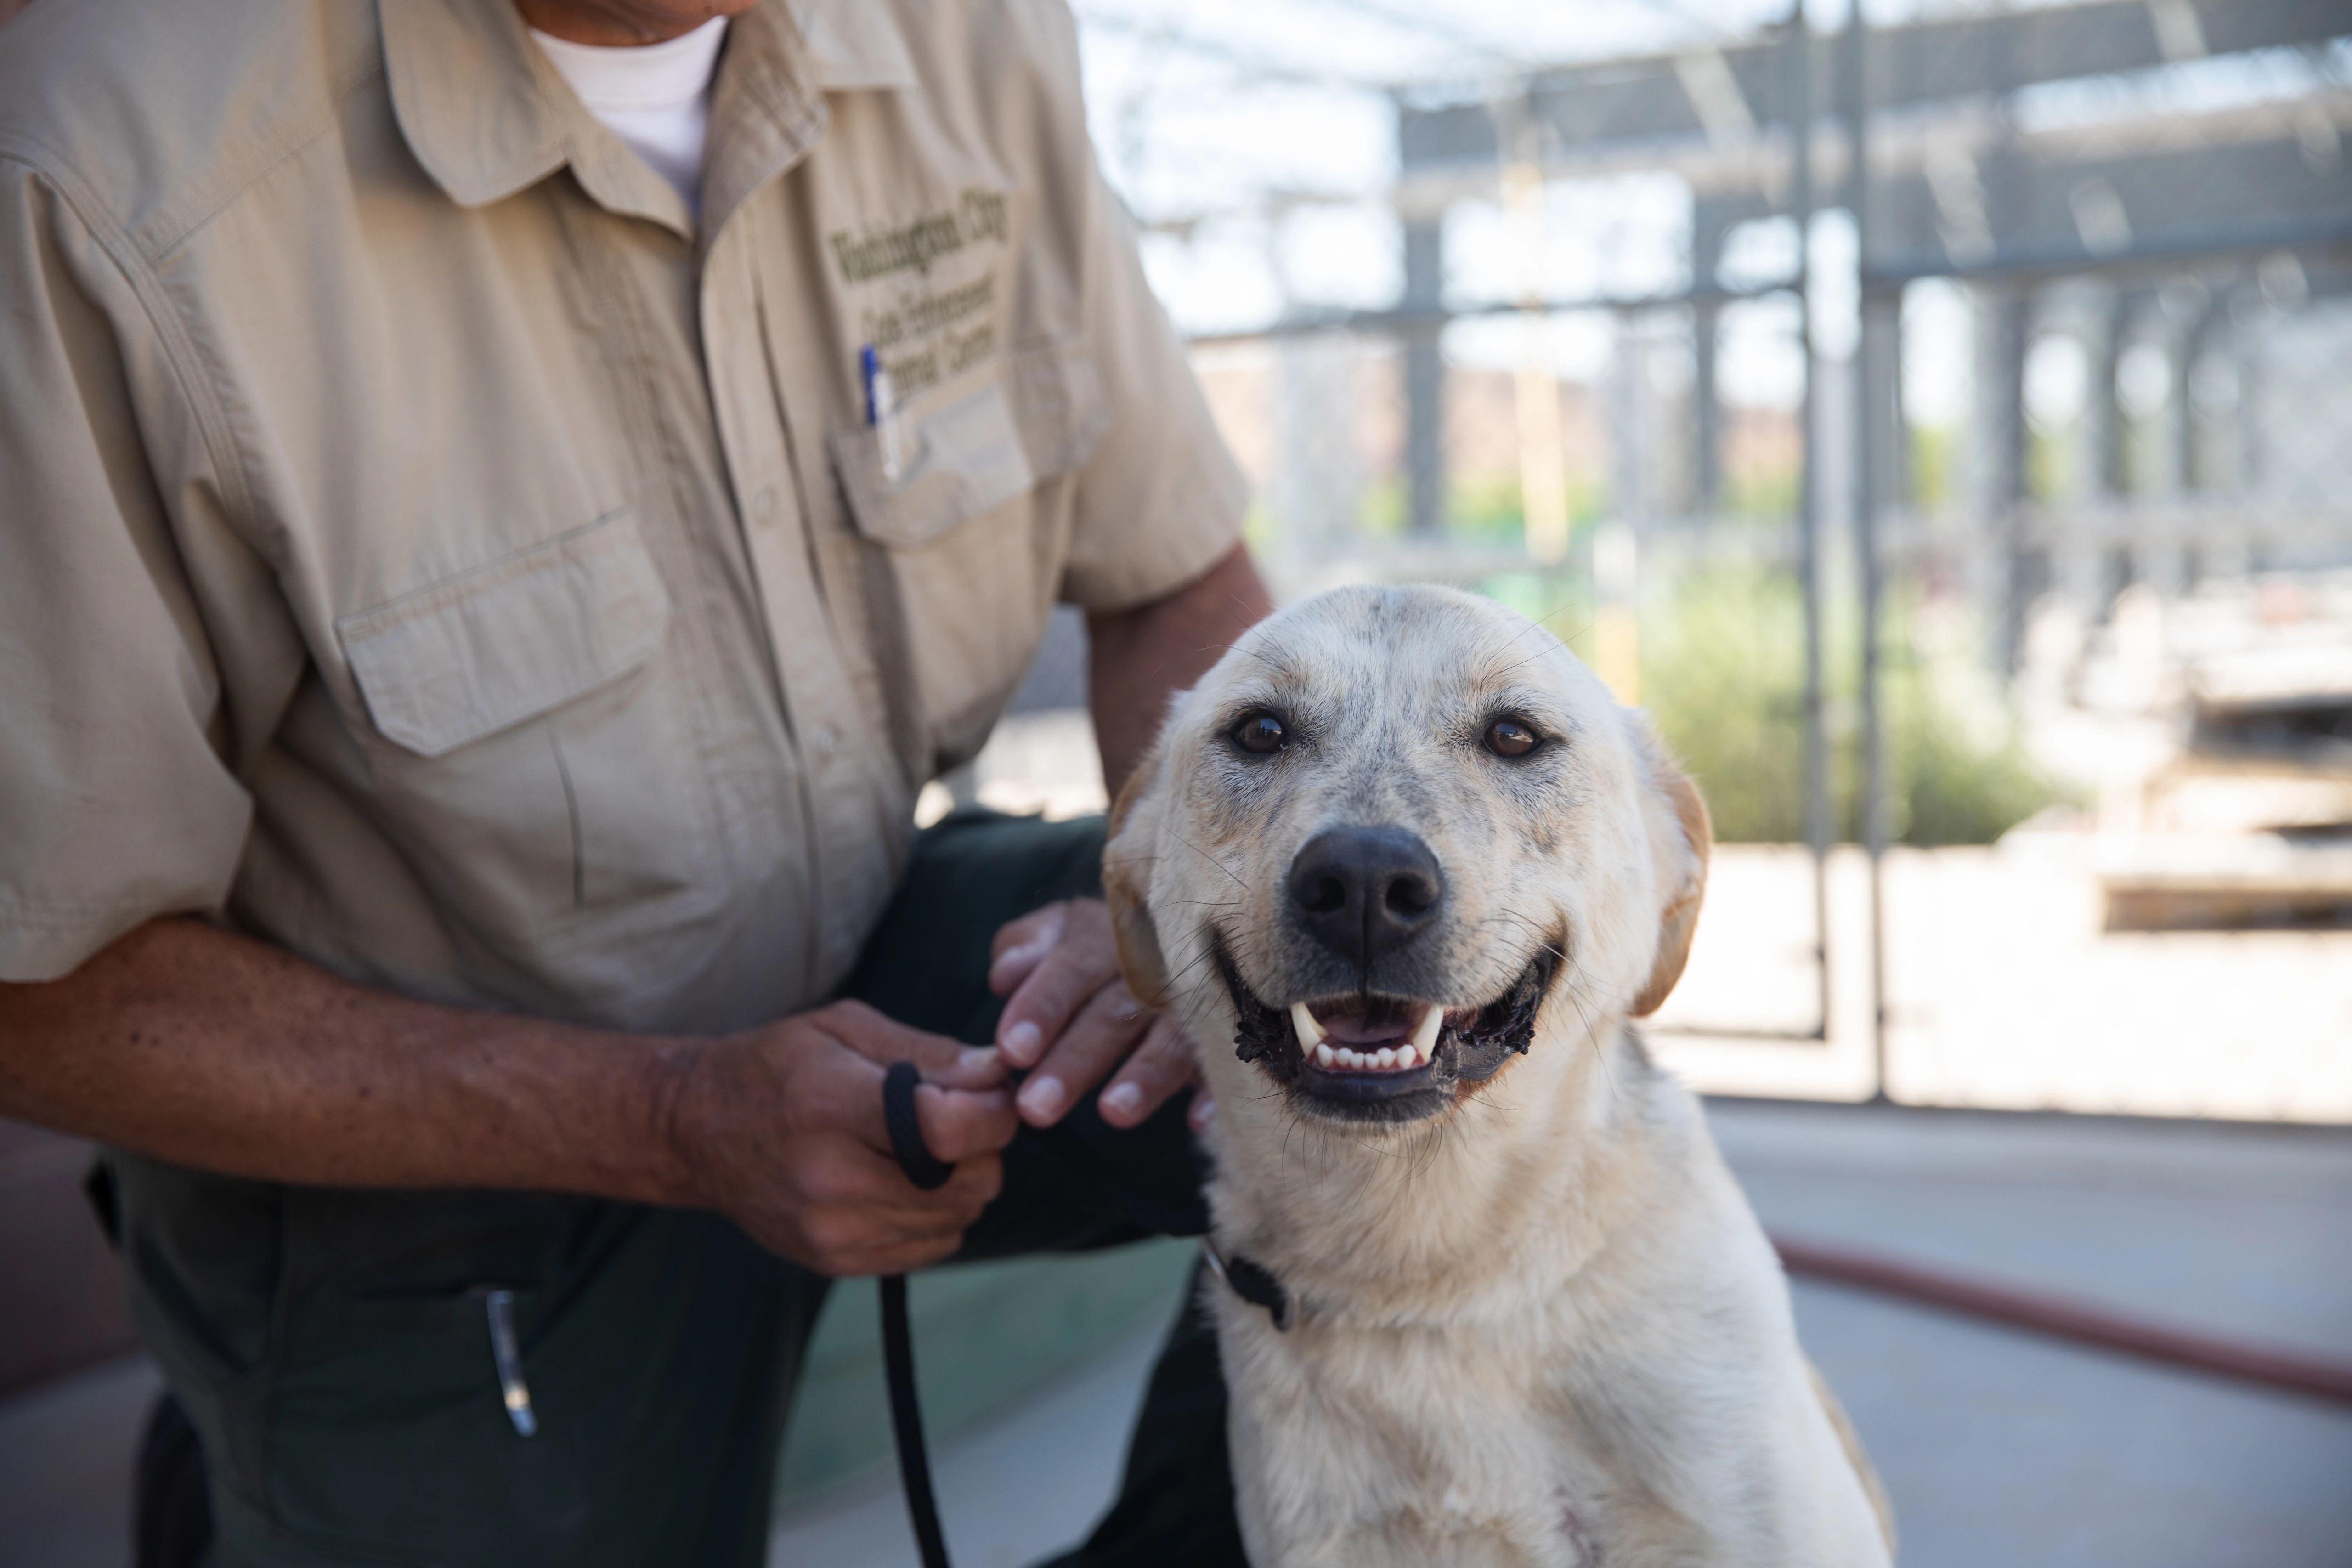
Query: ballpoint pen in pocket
(506, 1353)
(881, 410)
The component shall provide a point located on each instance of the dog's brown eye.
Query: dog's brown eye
(1260, 733)
(1509, 737)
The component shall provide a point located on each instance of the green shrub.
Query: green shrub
(1723, 676)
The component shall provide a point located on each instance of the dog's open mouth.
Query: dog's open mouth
(1385, 1058)
(1373, 1034)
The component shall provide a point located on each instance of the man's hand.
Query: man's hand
(214, 1050)
(1071, 1019)
(782, 1129)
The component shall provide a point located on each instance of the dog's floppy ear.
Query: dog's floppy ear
(1681, 837)
(1130, 851)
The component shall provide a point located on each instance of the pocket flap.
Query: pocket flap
(973, 445)
(472, 654)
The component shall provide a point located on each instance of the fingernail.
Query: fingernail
(973, 1059)
(1022, 1042)
(1040, 1096)
(1203, 1112)
(1122, 1099)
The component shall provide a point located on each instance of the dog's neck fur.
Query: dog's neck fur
(1514, 1255)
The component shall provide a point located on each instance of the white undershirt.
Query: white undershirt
(655, 97)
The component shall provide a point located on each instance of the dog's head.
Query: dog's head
(1394, 840)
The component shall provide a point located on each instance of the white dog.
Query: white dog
(1504, 1304)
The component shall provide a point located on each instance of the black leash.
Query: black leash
(1251, 1281)
(927, 1171)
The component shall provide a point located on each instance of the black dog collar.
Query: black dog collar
(1253, 1282)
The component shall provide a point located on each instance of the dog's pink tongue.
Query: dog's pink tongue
(1353, 1026)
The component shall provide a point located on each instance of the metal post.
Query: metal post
(1543, 463)
(1996, 457)
(1616, 544)
(1808, 511)
(1707, 431)
(1867, 464)
(1425, 375)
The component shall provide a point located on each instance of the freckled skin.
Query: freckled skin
(1537, 1324)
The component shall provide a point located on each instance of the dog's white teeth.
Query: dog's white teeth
(1302, 1019)
(1384, 1058)
(1424, 1035)
(1406, 1056)
(1348, 1058)
(1326, 1057)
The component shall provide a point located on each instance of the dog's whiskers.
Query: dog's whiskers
(1213, 860)
(1591, 1029)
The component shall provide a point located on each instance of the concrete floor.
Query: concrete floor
(1024, 1483)
(1997, 1447)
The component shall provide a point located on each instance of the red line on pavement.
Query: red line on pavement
(2071, 1320)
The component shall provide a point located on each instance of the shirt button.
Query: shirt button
(763, 505)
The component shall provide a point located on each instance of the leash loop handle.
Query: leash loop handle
(923, 1168)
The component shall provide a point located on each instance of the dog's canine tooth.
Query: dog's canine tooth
(1326, 1057)
(1310, 1033)
(1424, 1035)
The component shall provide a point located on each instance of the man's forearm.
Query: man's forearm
(1136, 657)
(209, 1049)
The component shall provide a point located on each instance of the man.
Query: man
(497, 530)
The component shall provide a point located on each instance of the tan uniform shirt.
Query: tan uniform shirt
(423, 546)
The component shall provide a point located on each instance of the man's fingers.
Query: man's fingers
(959, 1125)
(1158, 1069)
(845, 1245)
(857, 1200)
(902, 1257)
(1105, 1030)
(941, 1061)
(1022, 945)
(977, 1181)
(913, 1229)
(1081, 961)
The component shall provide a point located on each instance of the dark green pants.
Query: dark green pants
(331, 1347)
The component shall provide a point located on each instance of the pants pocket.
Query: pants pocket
(390, 1433)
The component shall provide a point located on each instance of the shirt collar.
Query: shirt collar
(486, 115)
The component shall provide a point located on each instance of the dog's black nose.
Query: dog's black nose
(1365, 891)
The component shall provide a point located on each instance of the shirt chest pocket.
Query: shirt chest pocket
(973, 519)
(533, 749)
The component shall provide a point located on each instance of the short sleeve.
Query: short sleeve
(117, 803)
(1159, 500)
